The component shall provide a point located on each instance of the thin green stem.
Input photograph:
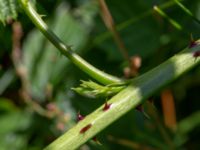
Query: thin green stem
(188, 124)
(102, 37)
(137, 92)
(95, 73)
(186, 10)
(172, 21)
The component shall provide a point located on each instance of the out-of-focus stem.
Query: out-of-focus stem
(110, 24)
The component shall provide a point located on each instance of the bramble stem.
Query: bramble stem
(136, 93)
(93, 72)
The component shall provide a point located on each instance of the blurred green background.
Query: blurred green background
(37, 104)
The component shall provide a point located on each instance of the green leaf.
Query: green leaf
(6, 79)
(13, 121)
(8, 10)
(6, 105)
(12, 127)
(190, 123)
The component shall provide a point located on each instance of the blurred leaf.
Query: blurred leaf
(16, 141)
(45, 65)
(6, 79)
(13, 121)
(12, 126)
(8, 10)
(190, 123)
(7, 105)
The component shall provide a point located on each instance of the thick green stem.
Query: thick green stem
(137, 92)
(95, 73)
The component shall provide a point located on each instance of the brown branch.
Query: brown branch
(17, 34)
(109, 22)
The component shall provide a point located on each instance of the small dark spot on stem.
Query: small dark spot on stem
(106, 106)
(84, 129)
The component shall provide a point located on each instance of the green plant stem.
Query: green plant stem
(137, 92)
(186, 10)
(95, 73)
(172, 21)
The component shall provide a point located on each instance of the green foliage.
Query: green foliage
(143, 28)
(6, 79)
(51, 76)
(8, 10)
(189, 123)
(14, 123)
(40, 58)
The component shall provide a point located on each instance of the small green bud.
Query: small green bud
(93, 90)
